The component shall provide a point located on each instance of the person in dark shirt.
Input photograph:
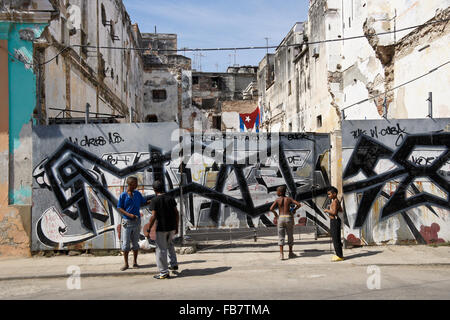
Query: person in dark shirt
(129, 206)
(165, 215)
(335, 223)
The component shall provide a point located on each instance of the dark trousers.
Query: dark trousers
(335, 230)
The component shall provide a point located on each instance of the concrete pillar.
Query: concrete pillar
(17, 102)
(14, 240)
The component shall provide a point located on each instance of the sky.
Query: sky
(220, 24)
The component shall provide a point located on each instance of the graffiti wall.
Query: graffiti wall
(396, 181)
(222, 180)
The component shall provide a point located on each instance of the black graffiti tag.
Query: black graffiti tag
(366, 155)
(376, 133)
(113, 138)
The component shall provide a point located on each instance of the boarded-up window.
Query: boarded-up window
(159, 95)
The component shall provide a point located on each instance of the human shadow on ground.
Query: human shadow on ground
(200, 272)
(147, 266)
(362, 254)
(313, 253)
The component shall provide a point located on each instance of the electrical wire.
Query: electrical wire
(242, 48)
(267, 47)
(37, 64)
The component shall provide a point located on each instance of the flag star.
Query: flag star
(247, 119)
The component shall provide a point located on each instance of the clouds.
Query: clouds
(220, 23)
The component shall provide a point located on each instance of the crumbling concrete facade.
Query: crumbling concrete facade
(167, 82)
(280, 83)
(94, 73)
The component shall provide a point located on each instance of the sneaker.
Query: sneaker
(175, 268)
(336, 259)
(161, 276)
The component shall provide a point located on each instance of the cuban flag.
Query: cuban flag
(250, 120)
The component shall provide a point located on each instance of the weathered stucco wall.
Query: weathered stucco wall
(109, 80)
(381, 63)
(18, 85)
(161, 80)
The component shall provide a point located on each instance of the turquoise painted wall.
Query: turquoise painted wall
(22, 90)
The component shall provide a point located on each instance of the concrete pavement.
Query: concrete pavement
(217, 254)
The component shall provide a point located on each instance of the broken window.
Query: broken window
(103, 15)
(112, 32)
(195, 80)
(84, 44)
(208, 103)
(159, 95)
(215, 82)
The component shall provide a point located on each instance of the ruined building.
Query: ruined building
(311, 85)
(167, 79)
(220, 97)
(90, 71)
(279, 83)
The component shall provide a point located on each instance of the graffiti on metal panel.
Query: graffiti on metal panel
(420, 156)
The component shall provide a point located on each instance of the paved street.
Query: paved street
(240, 272)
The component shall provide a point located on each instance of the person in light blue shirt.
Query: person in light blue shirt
(129, 206)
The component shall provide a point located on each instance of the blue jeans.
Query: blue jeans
(131, 229)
